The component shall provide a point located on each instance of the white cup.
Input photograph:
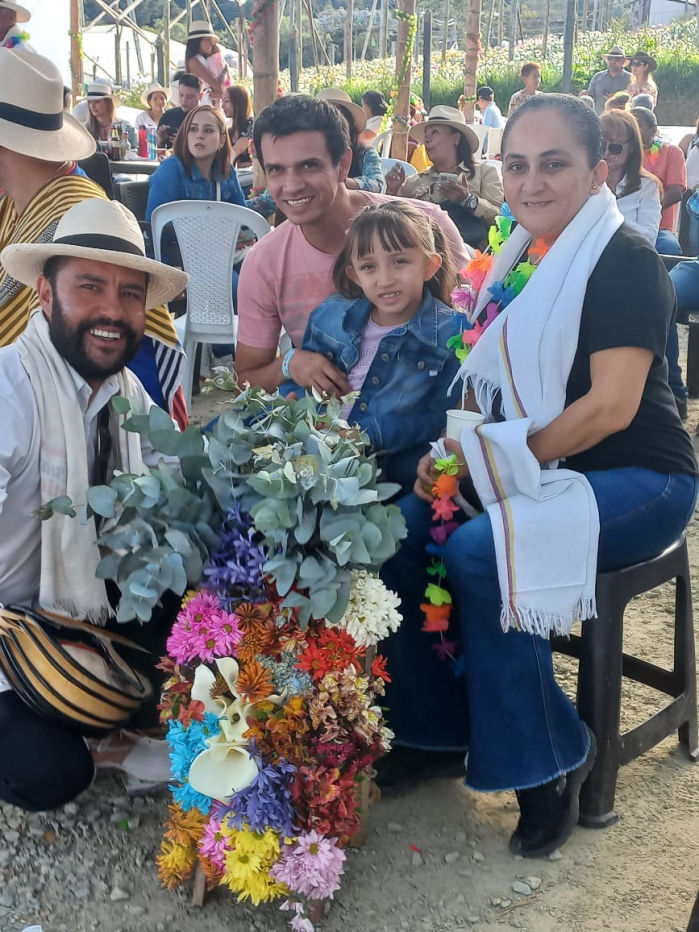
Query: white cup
(458, 420)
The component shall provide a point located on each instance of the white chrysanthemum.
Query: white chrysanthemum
(371, 612)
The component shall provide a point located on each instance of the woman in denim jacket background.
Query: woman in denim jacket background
(388, 328)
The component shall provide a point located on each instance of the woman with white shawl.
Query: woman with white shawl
(581, 464)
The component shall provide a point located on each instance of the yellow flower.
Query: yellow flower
(175, 863)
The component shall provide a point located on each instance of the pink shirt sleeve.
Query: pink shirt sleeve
(259, 324)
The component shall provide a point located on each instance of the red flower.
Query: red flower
(378, 668)
(333, 649)
(436, 617)
(444, 508)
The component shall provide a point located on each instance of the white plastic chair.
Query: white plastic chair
(387, 165)
(207, 233)
(494, 143)
(382, 143)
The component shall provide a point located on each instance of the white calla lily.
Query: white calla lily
(222, 770)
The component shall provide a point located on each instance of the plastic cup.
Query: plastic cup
(458, 421)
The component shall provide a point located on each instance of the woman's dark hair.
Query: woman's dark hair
(623, 122)
(528, 67)
(376, 102)
(465, 155)
(583, 122)
(222, 162)
(93, 124)
(241, 105)
(399, 225)
(358, 150)
(192, 47)
(299, 113)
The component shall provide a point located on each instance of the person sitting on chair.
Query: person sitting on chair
(61, 434)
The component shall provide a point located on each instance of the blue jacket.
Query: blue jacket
(170, 182)
(404, 398)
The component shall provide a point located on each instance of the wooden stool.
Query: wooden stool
(602, 664)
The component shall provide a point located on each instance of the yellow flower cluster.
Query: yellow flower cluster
(249, 862)
(178, 852)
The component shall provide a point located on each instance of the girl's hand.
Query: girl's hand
(453, 191)
(426, 476)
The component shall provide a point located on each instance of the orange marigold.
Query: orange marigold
(254, 681)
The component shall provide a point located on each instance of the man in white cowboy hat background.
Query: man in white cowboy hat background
(61, 434)
(303, 145)
(39, 144)
(614, 78)
(12, 37)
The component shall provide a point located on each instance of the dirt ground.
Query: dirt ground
(91, 865)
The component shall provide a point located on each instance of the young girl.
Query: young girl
(387, 329)
(203, 57)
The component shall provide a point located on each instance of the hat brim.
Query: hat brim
(201, 35)
(71, 141)
(358, 115)
(25, 262)
(23, 15)
(418, 131)
(626, 60)
(115, 99)
(647, 60)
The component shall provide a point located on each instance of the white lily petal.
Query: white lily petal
(234, 723)
(228, 668)
(221, 777)
(204, 679)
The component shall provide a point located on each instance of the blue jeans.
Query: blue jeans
(667, 244)
(520, 728)
(685, 278)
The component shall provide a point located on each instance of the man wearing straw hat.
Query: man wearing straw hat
(60, 435)
(615, 78)
(10, 15)
(39, 144)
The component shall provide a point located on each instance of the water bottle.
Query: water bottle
(143, 142)
(152, 142)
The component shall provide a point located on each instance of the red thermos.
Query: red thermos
(143, 142)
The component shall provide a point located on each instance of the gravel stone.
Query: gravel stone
(394, 827)
(478, 855)
(534, 882)
(555, 855)
(519, 886)
(118, 894)
(452, 857)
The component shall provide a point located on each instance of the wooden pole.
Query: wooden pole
(445, 31)
(501, 21)
(426, 57)
(513, 30)
(76, 62)
(547, 18)
(348, 49)
(369, 28)
(241, 49)
(383, 32)
(117, 54)
(166, 42)
(401, 110)
(293, 48)
(265, 55)
(473, 44)
(568, 37)
(486, 48)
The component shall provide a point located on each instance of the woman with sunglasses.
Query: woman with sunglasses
(636, 190)
(642, 65)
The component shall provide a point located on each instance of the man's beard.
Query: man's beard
(70, 343)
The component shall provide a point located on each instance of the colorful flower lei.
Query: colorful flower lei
(438, 601)
(653, 154)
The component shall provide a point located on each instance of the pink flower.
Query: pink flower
(312, 866)
(214, 844)
(299, 922)
(203, 631)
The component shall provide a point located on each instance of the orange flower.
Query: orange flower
(248, 613)
(258, 638)
(184, 828)
(478, 268)
(445, 485)
(254, 681)
(538, 249)
(436, 617)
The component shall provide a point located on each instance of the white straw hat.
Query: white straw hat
(103, 231)
(154, 89)
(23, 15)
(102, 90)
(200, 29)
(447, 116)
(32, 121)
(333, 95)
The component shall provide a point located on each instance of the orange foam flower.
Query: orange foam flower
(436, 617)
(445, 485)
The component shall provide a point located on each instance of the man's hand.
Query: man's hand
(313, 370)
(453, 191)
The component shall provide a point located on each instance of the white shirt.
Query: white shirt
(642, 209)
(20, 495)
(146, 120)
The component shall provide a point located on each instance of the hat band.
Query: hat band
(98, 95)
(200, 33)
(435, 119)
(100, 241)
(30, 118)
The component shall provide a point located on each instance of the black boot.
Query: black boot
(549, 813)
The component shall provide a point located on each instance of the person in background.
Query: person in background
(614, 78)
(188, 94)
(155, 99)
(203, 58)
(666, 162)
(472, 195)
(417, 154)
(691, 150)
(644, 100)
(619, 101)
(636, 190)
(11, 37)
(642, 67)
(530, 72)
(375, 106)
(237, 106)
(588, 101)
(366, 172)
(67, 98)
(491, 117)
(394, 280)
(101, 122)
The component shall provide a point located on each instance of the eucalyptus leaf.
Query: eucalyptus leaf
(121, 405)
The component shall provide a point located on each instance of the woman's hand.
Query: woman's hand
(395, 177)
(453, 191)
(427, 474)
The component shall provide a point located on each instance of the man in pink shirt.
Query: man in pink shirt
(666, 162)
(303, 146)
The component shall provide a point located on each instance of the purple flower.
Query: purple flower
(311, 866)
(267, 802)
(234, 569)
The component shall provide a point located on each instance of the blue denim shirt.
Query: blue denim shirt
(171, 183)
(405, 393)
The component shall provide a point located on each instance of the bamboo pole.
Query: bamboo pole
(445, 31)
(426, 57)
(486, 47)
(568, 42)
(265, 55)
(401, 110)
(369, 29)
(383, 32)
(501, 19)
(348, 49)
(547, 19)
(76, 62)
(293, 47)
(473, 44)
(513, 30)
(166, 41)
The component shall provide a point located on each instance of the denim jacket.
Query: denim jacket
(404, 397)
(172, 183)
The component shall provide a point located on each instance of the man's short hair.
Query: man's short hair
(191, 80)
(52, 267)
(299, 113)
(484, 92)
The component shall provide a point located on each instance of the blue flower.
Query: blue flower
(234, 569)
(267, 802)
(186, 743)
(188, 798)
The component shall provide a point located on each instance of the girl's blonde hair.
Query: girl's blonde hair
(398, 225)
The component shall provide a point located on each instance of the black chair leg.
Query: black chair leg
(599, 705)
(684, 660)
